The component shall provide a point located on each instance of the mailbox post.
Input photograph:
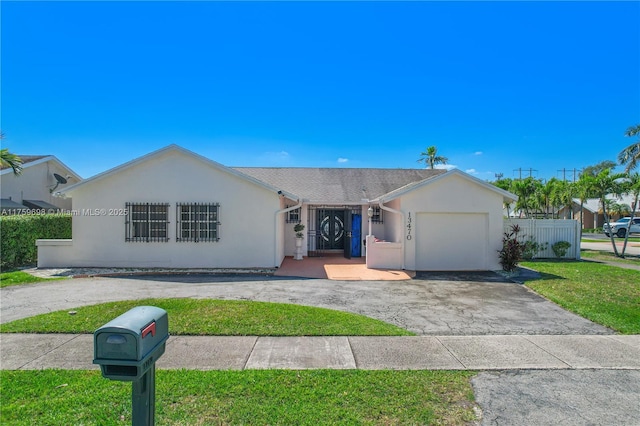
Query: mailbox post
(127, 349)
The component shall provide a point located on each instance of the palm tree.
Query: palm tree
(584, 191)
(8, 159)
(526, 190)
(604, 184)
(431, 158)
(633, 188)
(562, 195)
(631, 154)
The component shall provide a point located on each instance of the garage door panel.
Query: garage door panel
(451, 241)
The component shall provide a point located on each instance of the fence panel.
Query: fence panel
(549, 231)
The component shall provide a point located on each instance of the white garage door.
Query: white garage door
(451, 241)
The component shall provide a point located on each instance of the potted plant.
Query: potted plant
(299, 236)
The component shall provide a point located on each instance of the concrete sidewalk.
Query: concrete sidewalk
(75, 351)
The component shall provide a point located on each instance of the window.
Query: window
(377, 215)
(197, 222)
(293, 216)
(147, 222)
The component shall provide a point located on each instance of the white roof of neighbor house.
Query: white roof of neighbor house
(34, 160)
(593, 204)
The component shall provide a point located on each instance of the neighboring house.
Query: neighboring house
(592, 215)
(173, 208)
(36, 187)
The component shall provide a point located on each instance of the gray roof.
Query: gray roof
(337, 185)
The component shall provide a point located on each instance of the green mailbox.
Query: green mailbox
(127, 348)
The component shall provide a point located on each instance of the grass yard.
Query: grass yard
(609, 257)
(19, 277)
(215, 317)
(252, 397)
(605, 294)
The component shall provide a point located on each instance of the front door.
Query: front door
(331, 229)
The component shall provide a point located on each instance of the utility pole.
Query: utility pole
(519, 170)
(564, 173)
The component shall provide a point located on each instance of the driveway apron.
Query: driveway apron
(433, 304)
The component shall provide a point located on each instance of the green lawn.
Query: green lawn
(605, 294)
(215, 317)
(19, 277)
(251, 397)
(609, 257)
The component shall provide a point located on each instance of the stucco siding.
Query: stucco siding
(453, 195)
(247, 213)
(34, 183)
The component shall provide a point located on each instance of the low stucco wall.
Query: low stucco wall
(54, 253)
(383, 254)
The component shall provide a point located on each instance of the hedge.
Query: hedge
(18, 235)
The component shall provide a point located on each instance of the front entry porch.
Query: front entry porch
(338, 268)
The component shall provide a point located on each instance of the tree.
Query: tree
(596, 169)
(526, 190)
(602, 185)
(506, 184)
(562, 197)
(584, 191)
(431, 158)
(10, 160)
(631, 154)
(632, 186)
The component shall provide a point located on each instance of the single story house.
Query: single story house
(592, 215)
(173, 208)
(35, 187)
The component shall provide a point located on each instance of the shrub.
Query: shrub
(531, 248)
(560, 248)
(19, 235)
(512, 249)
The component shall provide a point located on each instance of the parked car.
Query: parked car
(621, 226)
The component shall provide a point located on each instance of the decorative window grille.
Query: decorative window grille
(293, 216)
(147, 222)
(197, 222)
(378, 216)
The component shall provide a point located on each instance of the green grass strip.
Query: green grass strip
(252, 397)
(605, 294)
(215, 317)
(19, 277)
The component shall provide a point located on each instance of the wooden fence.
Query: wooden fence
(549, 231)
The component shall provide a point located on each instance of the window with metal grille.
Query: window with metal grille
(377, 215)
(197, 222)
(147, 222)
(293, 216)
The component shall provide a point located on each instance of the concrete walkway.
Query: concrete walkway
(75, 351)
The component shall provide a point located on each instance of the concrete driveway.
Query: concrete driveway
(432, 304)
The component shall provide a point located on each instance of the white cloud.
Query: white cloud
(472, 171)
(343, 160)
(446, 166)
(477, 153)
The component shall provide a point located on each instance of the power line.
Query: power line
(519, 170)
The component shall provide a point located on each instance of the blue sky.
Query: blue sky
(496, 86)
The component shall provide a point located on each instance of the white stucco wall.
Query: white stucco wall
(247, 215)
(454, 195)
(34, 183)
